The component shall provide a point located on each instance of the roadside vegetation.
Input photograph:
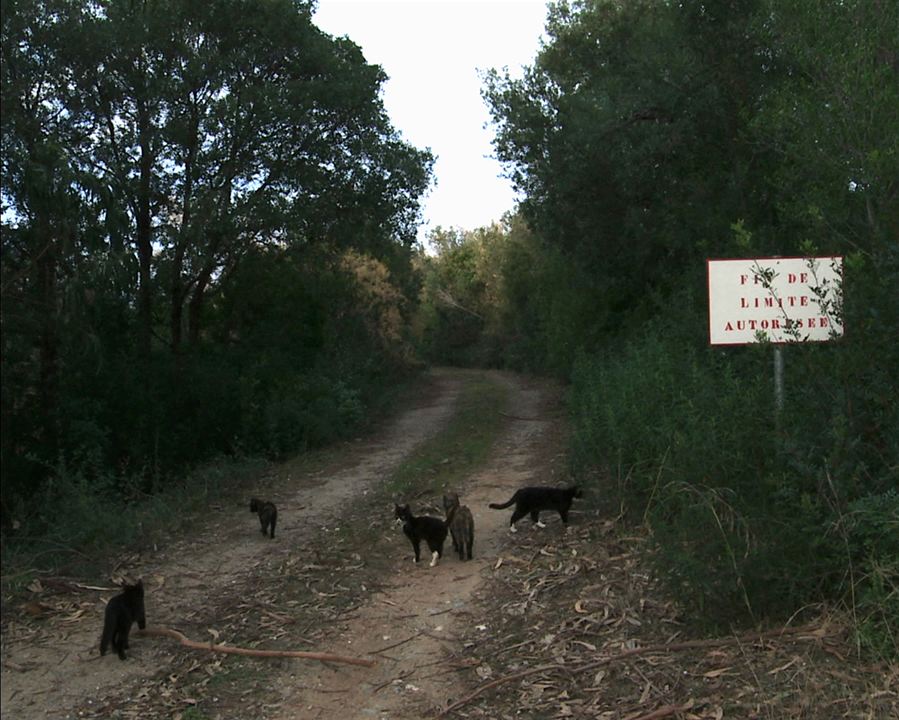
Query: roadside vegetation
(209, 263)
(294, 595)
(645, 138)
(208, 232)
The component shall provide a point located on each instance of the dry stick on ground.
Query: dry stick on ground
(664, 711)
(396, 644)
(401, 676)
(816, 632)
(324, 657)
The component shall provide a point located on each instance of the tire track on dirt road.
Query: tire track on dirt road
(52, 666)
(411, 625)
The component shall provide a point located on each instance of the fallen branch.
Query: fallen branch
(499, 681)
(815, 632)
(664, 712)
(396, 644)
(324, 657)
(401, 676)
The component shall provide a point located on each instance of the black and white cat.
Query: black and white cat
(424, 527)
(531, 500)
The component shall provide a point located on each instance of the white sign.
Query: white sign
(778, 300)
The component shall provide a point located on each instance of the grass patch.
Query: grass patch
(79, 526)
(447, 459)
(86, 524)
(340, 567)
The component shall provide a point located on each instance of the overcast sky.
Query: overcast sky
(433, 52)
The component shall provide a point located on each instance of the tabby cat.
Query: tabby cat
(461, 525)
(424, 527)
(268, 515)
(531, 500)
(121, 612)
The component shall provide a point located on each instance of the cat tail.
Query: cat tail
(503, 506)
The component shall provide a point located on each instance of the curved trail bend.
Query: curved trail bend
(51, 667)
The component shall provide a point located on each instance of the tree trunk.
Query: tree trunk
(178, 290)
(144, 234)
(48, 347)
(195, 309)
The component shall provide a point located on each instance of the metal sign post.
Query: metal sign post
(778, 385)
(775, 300)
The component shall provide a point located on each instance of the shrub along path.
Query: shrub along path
(542, 624)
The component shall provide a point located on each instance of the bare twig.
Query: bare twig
(530, 419)
(663, 712)
(401, 676)
(396, 644)
(816, 632)
(324, 657)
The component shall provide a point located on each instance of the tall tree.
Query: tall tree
(148, 149)
(41, 198)
(625, 137)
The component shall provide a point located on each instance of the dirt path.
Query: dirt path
(339, 578)
(53, 664)
(51, 667)
(414, 623)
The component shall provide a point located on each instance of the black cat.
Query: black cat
(531, 500)
(121, 612)
(430, 529)
(268, 515)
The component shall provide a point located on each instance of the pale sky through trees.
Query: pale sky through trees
(434, 52)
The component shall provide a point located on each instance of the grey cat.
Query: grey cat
(460, 524)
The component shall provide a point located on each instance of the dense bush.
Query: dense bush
(753, 515)
(189, 271)
(646, 138)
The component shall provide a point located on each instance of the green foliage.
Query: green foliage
(208, 222)
(455, 298)
(80, 518)
(313, 411)
(747, 523)
(645, 138)
(872, 537)
(497, 296)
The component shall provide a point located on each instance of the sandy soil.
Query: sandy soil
(414, 623)
(51, 666)
(541, 624)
